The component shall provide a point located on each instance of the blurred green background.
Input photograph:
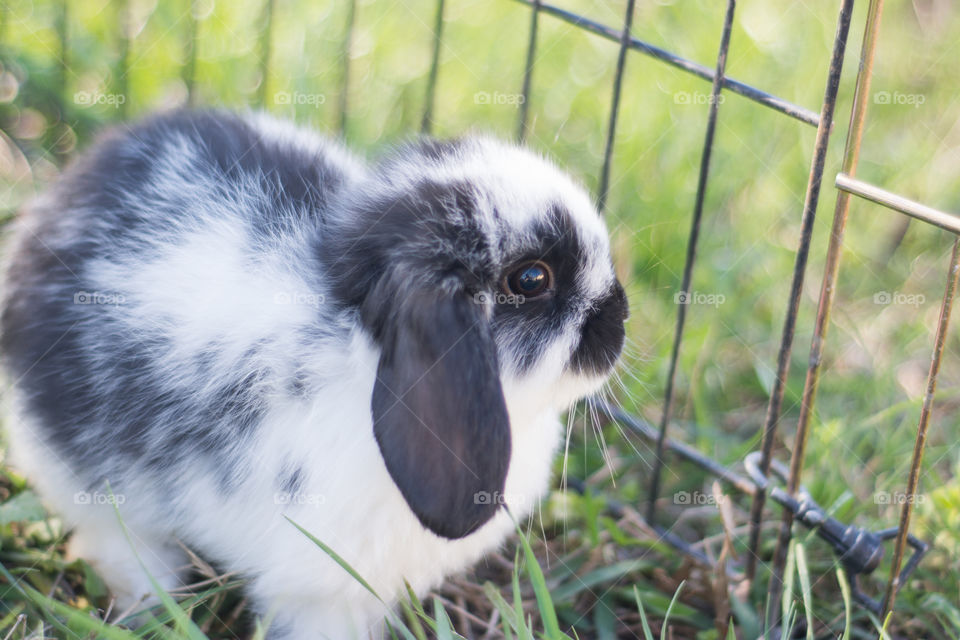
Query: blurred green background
(70, 68)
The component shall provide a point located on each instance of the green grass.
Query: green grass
(597, 569)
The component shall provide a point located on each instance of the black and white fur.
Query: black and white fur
(231, 320)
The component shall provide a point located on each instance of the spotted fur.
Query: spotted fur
(216, 321)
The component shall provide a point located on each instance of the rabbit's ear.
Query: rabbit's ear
(438, 411)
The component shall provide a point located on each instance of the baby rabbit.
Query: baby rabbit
(219, 324)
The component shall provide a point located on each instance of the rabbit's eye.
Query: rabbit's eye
(529, 280)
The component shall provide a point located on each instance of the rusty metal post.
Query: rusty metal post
(800, 266)
(913, 481)
(851, 156)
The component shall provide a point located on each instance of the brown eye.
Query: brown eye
(529, 280)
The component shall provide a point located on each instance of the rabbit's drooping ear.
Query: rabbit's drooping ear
(438, 411)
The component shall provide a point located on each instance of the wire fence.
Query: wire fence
(859, 551)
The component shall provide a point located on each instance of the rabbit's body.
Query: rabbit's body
(189, 325)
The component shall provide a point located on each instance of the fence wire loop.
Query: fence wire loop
(859, 550)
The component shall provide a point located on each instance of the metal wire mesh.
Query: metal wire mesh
(847, 186)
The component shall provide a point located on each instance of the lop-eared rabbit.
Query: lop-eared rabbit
(217, 324)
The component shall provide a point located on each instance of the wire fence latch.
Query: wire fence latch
(860, 551)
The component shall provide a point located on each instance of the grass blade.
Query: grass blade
(444, 627)
(805, 588)
(413, 623)
(356, 576)
(847, 602)
(647, 633)
(525, 628)
(508, 615)
(548, 614)
(181, 620)
(77, 618)
(666, 618)
(786, 600)
(336, 558)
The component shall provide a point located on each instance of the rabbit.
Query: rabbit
(220, 329)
